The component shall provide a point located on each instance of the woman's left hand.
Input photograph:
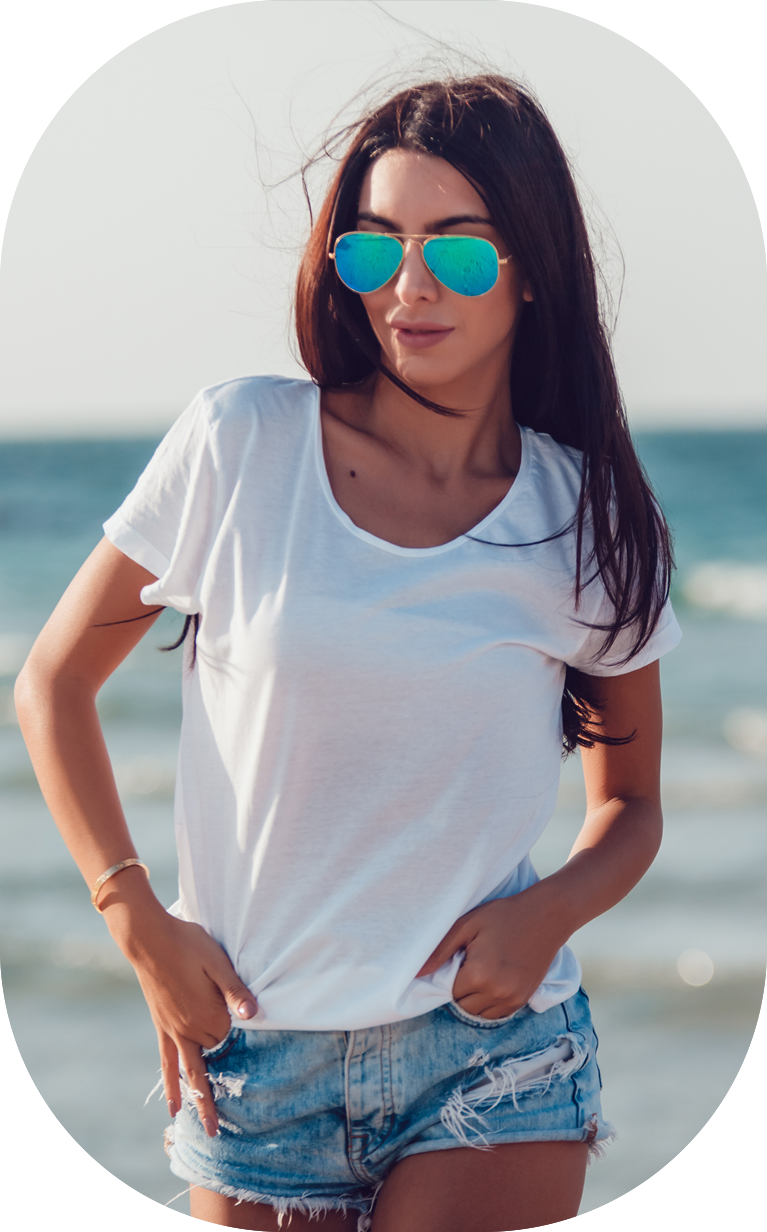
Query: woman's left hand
(509, 945)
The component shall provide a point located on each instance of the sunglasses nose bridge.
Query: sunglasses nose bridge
(419, 242)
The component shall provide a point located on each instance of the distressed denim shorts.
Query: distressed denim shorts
(312, 1121)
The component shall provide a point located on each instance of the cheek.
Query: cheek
(490, 320)
(376, 307)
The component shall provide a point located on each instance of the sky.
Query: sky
(148, 252)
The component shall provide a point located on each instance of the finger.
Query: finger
(481, 1006)
(237, 995)
(500, 1011)
(171, 1080)
(485, 1003)
(240, 999)
(456, 939)
(199, 1087)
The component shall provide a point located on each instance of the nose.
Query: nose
(414, 278)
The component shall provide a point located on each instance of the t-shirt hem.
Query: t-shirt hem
(362, 1023)
(135, 546)
(661, 643)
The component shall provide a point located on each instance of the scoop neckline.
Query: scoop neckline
(395, 548)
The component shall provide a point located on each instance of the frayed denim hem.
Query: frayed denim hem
(598, 1146)
(310, 1206)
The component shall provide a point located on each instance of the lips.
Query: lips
(420, 334)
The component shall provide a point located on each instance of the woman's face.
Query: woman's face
(430, 335)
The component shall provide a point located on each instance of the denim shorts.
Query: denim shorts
(312, 1121)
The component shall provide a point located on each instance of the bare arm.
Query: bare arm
(186, 978)
(623, 828)
(56, 703)
(511, 942)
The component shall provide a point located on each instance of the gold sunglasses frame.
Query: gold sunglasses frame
(421, 241)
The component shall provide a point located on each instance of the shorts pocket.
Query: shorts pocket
(475, 1020)
(223, 1046)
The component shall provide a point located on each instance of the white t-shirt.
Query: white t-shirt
(371, 737)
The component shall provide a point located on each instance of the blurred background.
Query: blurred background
(150, 251)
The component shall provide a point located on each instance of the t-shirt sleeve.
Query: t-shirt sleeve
(164, 523)
(591, 660)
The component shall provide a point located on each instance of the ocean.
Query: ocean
(675, 972)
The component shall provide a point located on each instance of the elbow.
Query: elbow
(636, 819)
(646, 817)
(40, 690)
(655, 827)
(23, 694)
(32, 696)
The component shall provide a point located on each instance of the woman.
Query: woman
(409, 580)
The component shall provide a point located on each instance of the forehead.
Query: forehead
(404, 179)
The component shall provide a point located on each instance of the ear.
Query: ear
(527, 293)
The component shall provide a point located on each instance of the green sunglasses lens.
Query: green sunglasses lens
(467, 264)
(464, 263)
(366, 260)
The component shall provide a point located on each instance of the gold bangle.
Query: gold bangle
(116, 868)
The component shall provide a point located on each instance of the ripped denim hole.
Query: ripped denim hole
(225, 1086)
(533, 1074)
(480, 1057)
(222, 1086)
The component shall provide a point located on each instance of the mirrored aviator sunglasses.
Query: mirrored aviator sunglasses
(466, 264)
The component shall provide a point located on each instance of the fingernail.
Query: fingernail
(247, 1009)
(210, 1128)
(172, 1109)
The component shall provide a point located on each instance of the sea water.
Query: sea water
(675, 971)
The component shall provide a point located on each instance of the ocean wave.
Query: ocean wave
(7, 707)
(732, 587)
(605, 974)
(746, 730)
(139, 776)
(14, 648)
(145, 776)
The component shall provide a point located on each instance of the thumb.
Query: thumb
(237, 995)
(240, 999)
(457, 938)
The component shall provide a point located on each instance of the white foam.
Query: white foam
(746, 730)
(14, 648)
(728, 586)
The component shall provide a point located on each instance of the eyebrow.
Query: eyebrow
(453, 221)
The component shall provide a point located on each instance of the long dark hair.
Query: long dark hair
(563, 380)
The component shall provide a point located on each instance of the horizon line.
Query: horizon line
(654, 421)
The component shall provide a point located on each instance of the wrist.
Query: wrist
(112, 871)
(555, 913)
(132, 912)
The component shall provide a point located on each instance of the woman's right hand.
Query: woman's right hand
(193, 993)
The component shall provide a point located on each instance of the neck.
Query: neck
(482, 440)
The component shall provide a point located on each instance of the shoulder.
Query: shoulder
(557, 468)
(550, 482)
(248, 403)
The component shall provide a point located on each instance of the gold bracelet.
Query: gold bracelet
(116, 868)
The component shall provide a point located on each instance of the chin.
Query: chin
(422, 371)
